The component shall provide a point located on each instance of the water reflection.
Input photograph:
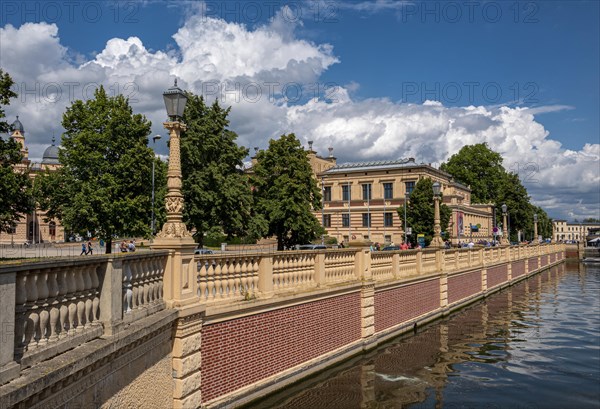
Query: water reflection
(534, 345)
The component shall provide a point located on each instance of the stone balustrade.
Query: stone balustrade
(51, 306)
(225, 277)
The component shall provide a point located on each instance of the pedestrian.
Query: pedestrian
(131, 246)
(83, 249)
(89, 248)
(123, 246)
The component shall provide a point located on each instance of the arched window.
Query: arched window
(52, 229)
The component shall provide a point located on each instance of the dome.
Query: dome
(51, 155)
(17, 126)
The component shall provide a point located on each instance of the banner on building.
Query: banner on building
(460, 224)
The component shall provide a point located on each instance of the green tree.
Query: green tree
(479, 167)
(420, 212)
(216, 192)
(286, 193)
(519, 209)
(5, 95)
(104, 186)
(15, 192)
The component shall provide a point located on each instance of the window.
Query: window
(388, 219)
(366, 191)
(327, 220)
(366, 219)
(346, 192)
(387, 238)
(52, 228)
(345, 220)
(388, 190)
(410, 186)
(327, 194)
(13, 229)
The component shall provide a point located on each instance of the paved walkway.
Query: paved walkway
(49, 250)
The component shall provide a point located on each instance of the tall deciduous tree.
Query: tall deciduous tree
(420, 212)
(15, 192)
(216, 192)
(481, 168)
(286, 193)
(104, 186)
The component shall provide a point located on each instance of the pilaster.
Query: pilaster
(187, 358)
(9, 369)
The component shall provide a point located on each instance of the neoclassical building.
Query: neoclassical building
(32, 227)
(361, 200)
(563, 230)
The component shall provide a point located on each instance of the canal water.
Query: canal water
(533, 345)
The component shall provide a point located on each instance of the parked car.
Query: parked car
(390, 248)
(312, 247)
(203, 251)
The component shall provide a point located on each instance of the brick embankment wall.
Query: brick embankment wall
(463, 286)
(241, 351)
(497, 275)
(398, 305)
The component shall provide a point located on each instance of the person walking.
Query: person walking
(89, 248)
(83, 249)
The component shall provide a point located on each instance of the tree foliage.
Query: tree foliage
(5, 95)
(286, 193)
(481, 168)
(104, 186)
(216, 192)
(420, 212)
(15, 192)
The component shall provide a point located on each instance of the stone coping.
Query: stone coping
(53, 262)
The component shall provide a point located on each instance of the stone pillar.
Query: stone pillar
(319, 269)
(187, 358)
(9, 369)
(367, 313)
(265, 276)
(180, 281)
(112, 291)
(363, 264)
(418, 264)
(396, 265)
(444, 291)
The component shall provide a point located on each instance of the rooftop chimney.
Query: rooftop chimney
(310, 145)
(330, 152)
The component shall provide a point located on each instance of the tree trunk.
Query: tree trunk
(280, 243)
(108, 246)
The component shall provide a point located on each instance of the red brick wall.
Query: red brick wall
(463, 285)
(518, 268)
(533, 264)
(497, 275)
(398, 305)
(245, 350)
(544, 260)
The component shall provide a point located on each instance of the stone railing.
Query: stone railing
(224, 278)
(51, 306)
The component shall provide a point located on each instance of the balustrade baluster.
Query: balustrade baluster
(72, 299)
(21, 311)
(42, 302)
(53, 293)
(87, 293)
(146, 271)
(63, 289)
(79, 277)
(127, 288)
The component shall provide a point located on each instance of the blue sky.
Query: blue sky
(393, 78)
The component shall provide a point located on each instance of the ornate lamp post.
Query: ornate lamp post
(504, 225)
(154, 139)
(437, 229)
(174, 228)
(406, 197)
(179, 284)
(535, 232)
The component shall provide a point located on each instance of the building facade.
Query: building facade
(361, 200)
(563, 230)
(33, 227)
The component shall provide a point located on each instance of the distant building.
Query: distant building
(563, 230)
(361, 201)
(32, 227)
